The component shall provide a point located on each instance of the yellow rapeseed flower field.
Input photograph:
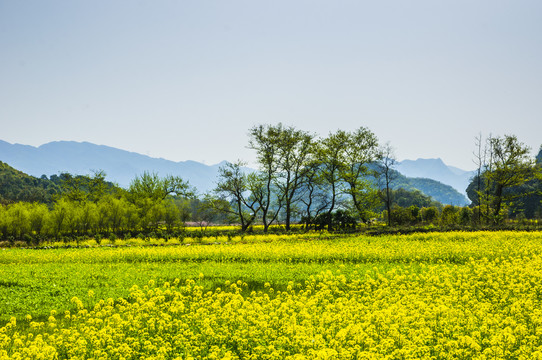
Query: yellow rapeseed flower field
(423, 296)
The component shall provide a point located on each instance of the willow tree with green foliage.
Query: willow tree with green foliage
(80, 188)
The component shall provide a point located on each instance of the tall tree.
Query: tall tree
(359, 150)
(329, 152)
(80, 188)
(386, 175)
(269, 204)
(148, 193)
(295, 150)
(479, 161)
(314, 192)
(507, 167)
(480, 190)
(233, 188)
(512, 166)
(151, 186)
(487, 185)
(265, 140)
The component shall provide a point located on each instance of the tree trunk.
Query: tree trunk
(288, 209)
(388, 201)
(498, 202)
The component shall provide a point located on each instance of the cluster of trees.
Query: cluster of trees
(301, 177)
(448, 215)
(90, 206)
(347, 176)
(508, 181)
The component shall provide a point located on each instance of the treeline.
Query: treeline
(301, 177)
(335, 182)
(351, 177)
(90, 206)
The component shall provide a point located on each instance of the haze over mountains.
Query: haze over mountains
(436, 169)
(119, 165)
(123, 166)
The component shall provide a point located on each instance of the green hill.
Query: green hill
(440, 192)
(18, 186)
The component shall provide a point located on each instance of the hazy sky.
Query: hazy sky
(185, 80)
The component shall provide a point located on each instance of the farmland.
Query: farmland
(449, 295)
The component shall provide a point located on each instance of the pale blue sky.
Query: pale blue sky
(185, 80)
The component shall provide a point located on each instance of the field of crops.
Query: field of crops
(423, 296)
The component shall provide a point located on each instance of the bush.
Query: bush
(465, 216)
(141, 236)
(404, 216)
(28, 239)
(429, 214)
(340, 220)
(450, 215)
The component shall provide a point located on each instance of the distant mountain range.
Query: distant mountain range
(82, 158)
(436, 169)
(438, 180)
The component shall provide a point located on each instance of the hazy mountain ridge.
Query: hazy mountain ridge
(437, 170)
(81, 158)
(440, 192)
(122, 166)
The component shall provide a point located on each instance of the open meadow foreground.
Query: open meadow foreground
(454, 295)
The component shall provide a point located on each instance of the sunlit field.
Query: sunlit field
(431, 296)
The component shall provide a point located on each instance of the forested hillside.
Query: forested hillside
(440, 192)
(17, 186)
(437, 170)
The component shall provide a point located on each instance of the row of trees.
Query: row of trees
(88, 205)
(305, 177)
(301, 177)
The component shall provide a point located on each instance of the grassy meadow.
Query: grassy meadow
(455, 295)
